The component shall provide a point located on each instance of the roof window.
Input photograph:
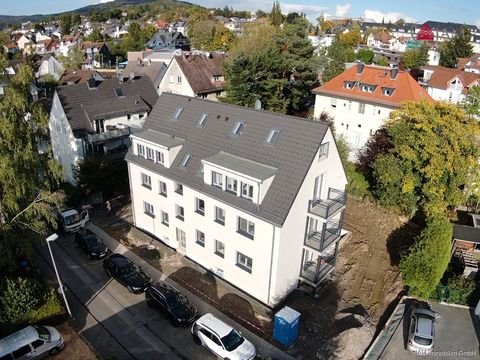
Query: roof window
(119, 92)
(387, 91)
(177, 113)
(202, 121)
(272, 137)
(186, 159)
(238, 128)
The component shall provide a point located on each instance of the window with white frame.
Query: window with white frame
(200, 238)
(148, 209)
(141, 150)
(361, 108)
(246, 228)
(160, 157)
(162, 188)
(323, 151)
(219, 248)
(217, 179)
(272, 137)
(146, 181)
(220, 215)
(232, 185)
(179, 212)
(244, 262)
(165, 220)
(200, 206)
(247, 191)
(150, 154)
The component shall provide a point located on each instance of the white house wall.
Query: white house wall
(170, 82)
(288, 256)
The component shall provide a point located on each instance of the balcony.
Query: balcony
(335, 202)
(315, 271)
(108, 135)
(329, 234)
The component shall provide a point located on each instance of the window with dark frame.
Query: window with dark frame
(165, 219)
(162, 188)
(220, 215)
(246, 228)
(179, 212)
(200, 206)
(179, 188)
(148, 209)
(244, 262)
(219, 248)
(146, 181)
(200, 238)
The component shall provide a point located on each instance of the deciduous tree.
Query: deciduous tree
(458, 47)
(74, 60)
(338, 54)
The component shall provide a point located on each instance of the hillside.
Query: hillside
(8, 19)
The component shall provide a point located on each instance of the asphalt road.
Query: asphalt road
(119, 325)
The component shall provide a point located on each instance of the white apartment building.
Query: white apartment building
(97, 117)
(361, 98)
(195, 74)
(254, 197)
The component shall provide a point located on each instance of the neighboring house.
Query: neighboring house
(23, 41)
(97, 54)
(255, 197)
(178, 26)
(381, 40)
(195, 74)
(361, 98)
(10, 49)
(448, 84)
(97, 117)
(48, 65)
(466, 246)
(166, 40)
(155, 70)
(471, 64)
(82, 76)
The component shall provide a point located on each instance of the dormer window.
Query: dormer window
(272, 137)
(247, 191)
(387, 91)
(348, 84)
(177, 113)
(238, 128)
(217, 179)
(217, 78)
(186, 159)
(367, 88)
(202, 121)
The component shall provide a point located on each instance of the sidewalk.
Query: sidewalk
(264, 348)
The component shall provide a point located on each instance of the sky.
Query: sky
(463, 11)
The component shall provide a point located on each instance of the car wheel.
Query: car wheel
(196, 339)
(54, 351)
(130, 290)
(90, 256)
(109, 274)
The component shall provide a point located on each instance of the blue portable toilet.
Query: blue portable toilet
(286, 326)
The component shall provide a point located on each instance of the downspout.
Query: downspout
(271, 264)
(131, 192)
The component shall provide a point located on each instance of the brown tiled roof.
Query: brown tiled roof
(200, 69)
(82, 76)
(404, 85)
(384, 37)
(91, 44)
(442, 76)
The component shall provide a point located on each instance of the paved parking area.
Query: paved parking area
(457, 336)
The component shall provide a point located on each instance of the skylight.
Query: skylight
(119, 92)
(202, 121)
(272, 136)
(177, 113)
(238, 128)
(186, 159)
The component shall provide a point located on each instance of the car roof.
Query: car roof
(119, 259)
(215, 324)
(87, 233)
(424, 326)
(69, 212)
(17, 340)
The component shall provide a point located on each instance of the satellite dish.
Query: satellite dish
(258, 104)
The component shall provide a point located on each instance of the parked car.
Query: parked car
(221, 339)
(90, 244)
(32, 342)
(421, 333)
(165, 297)
(126, 273)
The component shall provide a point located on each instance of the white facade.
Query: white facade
(275, 253)
(50, 66)
(355, 120)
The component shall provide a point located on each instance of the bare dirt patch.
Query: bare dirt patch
(75, 347)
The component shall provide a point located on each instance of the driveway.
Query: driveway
(457, 336)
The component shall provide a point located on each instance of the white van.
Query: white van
(33, 342)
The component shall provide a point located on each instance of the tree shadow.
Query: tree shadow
(400, 240)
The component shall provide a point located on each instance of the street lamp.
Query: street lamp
(54, 237)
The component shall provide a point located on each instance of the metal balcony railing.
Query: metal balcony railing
(315, 271)
(335, 201)
(329, 234)
(108, 135)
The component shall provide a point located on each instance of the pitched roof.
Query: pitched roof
(91, 44)
(441, 77)
(82, 76)
(425, 33)
(466, 233)
(199, 70)
(291, 155)
(404, 85)
(153, 69)
(383, 36)
(81, 104)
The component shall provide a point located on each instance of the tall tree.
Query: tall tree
(210, 35)
(471, 104)
(276, 17)
(66, 24)
(74, 60)
(431, 158)
(458, 47)
(27, 178)
(338, 54)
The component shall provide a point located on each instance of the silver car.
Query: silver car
(421, 333)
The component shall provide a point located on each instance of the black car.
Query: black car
(90, 244)
(176, 306)
(126, 273)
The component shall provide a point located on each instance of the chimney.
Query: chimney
(360, 67)
(393, 73)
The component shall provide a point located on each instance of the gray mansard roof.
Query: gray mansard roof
(82, 104)
(289, 158)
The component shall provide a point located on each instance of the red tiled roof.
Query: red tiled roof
(404, 85)
(384, 37)
(442, 76)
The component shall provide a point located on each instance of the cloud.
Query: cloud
(105, 1)
(378, 16)
(312, 11)
(342, 10)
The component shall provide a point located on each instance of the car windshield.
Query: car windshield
(232, 340)
(71, 219)
(92, 241)
(422, 341)
(128, 270)
(43, 333)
